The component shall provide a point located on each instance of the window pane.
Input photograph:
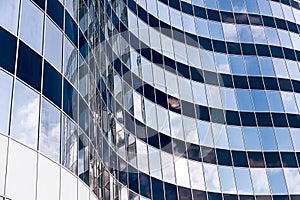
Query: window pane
(53, 44)
(3, 150)
(5, 96)
(9, 11)
(32, 25)
(260, 181)
(277, 181)
(25, 116)
(50, 131)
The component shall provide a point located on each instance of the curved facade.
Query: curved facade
(158, 99)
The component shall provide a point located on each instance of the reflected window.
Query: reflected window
(5, 96)
(251, 136)
(25, 116)
(260, 181)
(243, 181)
(277, 181)
(235, 137)
(53, 44)
(49, 142)
(283, 139)
(211, 177)
(227, 179)
(268, 139)
(69, 145)
(31, 30)
(9, 11)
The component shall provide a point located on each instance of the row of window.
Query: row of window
(220, 46)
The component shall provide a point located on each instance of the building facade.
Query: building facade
(157, 99)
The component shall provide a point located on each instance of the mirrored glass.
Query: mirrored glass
(230, 32)
(182, 172)
(211, 177)
(244, 33)
(275, 102)
(155, 163)
(292, 177)
(25, 116)
(260, 181)
(167, 167)
(31, 29)
(205, 133)
(142, 158)
(266, 66)
(251, 136)
(53, 44)
(277, 181)
(216, 30)
(197, 182)
(283, 139)
(243, 180)
(289, 102)
(5, 96)
(227, 179)
(244, 100)
(220, 136)
(237, 64)
(259, 100)
(9, 11)
(235, 137)
(268, 139)
(49, 142)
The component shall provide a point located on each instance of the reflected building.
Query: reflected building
(157, 99)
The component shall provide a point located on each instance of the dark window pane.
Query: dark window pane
(52, 84)
(7, 50)
(29, 66)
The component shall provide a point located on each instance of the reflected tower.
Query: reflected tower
(157, 99)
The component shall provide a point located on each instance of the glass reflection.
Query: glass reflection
(69, 145)
(49, 142)
(9, 11)
(25, 116)
(5, 96)
(31, 30)
(277, 181)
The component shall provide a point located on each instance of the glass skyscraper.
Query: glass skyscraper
(149, 99)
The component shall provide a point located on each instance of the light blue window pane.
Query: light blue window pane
(230, 32)
(243, 181)
(188, 23)
(72, 7)
(259, 100)
(25, 116)
(252, 6)
(9, 12)
(235, 137)
(238, 6)
(5, 99)
(258, 34)
(272, 36)
(275, 101)
(251, 136)
(266, 66)
(49, 141)
(198, 2)
(277, 181)
(175, 18)
(289, 102)
(225, 5)
(244, 100)
(227, 179)
(216, 30)
(32, 25)
(228, 99)
(202, 27)
(237, 65)
(295, 133)
(163, 12)
(268, 139)
(211, 4)
(205, 133)
(283, 139)
(245, 33)
(252, 66)
(284, 38)
(264, 7)
(53, 44)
